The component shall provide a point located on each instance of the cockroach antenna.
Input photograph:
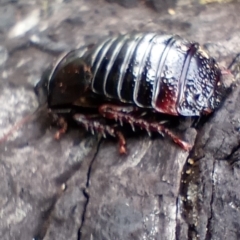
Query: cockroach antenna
(28, 118)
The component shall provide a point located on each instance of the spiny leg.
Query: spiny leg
(123, 114)
(93, 124)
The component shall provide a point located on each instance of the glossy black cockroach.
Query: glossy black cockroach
(123, 76)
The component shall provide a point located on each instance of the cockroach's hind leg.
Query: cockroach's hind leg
(124, 114)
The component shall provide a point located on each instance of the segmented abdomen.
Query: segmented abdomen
(152, 71)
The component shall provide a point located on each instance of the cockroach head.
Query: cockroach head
(41, 88)
(65, 83)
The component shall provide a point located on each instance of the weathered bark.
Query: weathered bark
(80, 187)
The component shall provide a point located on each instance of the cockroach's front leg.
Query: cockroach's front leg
(62, 124)
(93, 124)
(125, 114)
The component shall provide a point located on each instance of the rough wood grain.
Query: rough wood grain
(79, 187)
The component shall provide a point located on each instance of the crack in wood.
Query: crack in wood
(209, 221)
(85, 192)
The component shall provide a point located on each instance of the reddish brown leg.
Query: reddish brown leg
(123, 114)
(61, 122)
(93, 124)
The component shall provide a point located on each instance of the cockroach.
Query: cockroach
(124, 76)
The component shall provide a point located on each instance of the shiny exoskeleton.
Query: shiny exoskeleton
(123, 76)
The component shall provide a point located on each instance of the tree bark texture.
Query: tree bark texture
(80, 187)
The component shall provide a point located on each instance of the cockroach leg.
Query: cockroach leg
(62, 123)
(122, 142)
(94, 124)
(123, 114)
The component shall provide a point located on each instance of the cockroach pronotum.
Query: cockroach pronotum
(124, 76)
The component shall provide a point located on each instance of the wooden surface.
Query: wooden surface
(80, 187)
